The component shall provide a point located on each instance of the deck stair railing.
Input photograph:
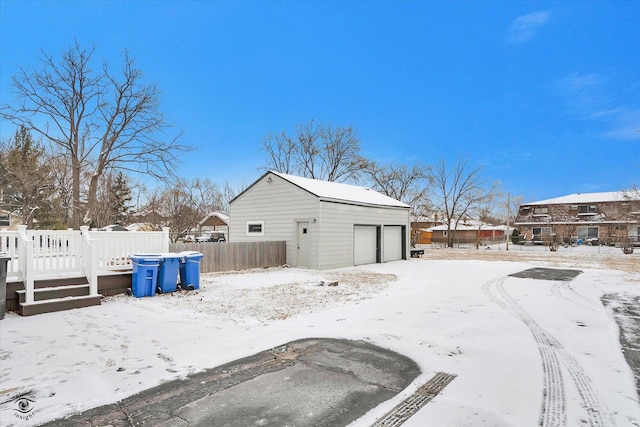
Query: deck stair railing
(9, 247)
(25, 262)
(56, 253)
(90, 259)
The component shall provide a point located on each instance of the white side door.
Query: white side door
(302, 240)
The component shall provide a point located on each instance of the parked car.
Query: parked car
(544, 239)
(216, 236)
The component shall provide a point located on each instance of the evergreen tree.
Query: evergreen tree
(26, 178)
(120, 199)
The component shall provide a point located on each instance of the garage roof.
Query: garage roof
(335, 191)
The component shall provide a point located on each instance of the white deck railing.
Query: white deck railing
(9, 247)
(51, 253)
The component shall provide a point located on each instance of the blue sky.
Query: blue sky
(544, 95)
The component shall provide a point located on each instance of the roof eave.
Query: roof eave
(365, 204)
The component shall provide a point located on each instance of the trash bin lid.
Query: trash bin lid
(146, 257)
(190, 253)
(170, 255)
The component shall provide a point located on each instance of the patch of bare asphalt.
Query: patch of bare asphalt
(626, 311)
(555, 274)
(310, 382)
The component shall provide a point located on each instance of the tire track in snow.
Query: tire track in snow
(553, 408)
(590, 399)
(553, 411)
(564, 290)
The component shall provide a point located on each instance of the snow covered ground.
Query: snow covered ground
(524, 351)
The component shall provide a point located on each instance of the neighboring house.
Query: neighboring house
(421, 236)
(8, 220)
(420, 233)
(214, 222)
(325, 224)
(150, 217)
(468, 232)
(609, 218)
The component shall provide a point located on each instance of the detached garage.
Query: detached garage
(325, 224)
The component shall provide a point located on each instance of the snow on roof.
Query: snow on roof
(470, 226)
(423, 218)
(327, 190)
(611, 196)
(223, 217)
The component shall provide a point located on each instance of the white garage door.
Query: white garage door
(364, 244)
(392, 243)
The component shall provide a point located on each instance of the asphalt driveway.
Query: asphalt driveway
(310, 382)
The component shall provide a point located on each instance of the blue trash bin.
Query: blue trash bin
(168, 273)
(190, 270)
(145, 275)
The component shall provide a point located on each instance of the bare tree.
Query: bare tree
(507, 214)
(341, 161)
(317, 152)
(401, 182)
(102, 215)
(62, 176)
(629, 234)
(230, 192)
(632, 193)
(181, 205)
(280, 151)
(483, 212)
(512, 205)
(101, 120)
(457, 191)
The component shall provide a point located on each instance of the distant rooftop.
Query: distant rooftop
(577, 198)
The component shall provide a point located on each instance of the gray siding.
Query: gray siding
(336, 229)
(279, 204)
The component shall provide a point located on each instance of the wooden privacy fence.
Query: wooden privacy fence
(230, 256)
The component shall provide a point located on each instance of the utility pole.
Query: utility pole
(508, 218)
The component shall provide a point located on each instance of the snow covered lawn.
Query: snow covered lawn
(523, 350)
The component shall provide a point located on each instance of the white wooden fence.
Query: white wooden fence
(64, 252)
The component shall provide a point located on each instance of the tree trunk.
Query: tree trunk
(91, 200)
(75, 219)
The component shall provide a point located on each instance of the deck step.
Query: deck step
(58, 304)
(53, 292)
(50, 282)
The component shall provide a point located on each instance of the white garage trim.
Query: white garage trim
(365, 244)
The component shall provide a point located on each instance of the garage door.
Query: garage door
(365, 244)
(392, 243)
